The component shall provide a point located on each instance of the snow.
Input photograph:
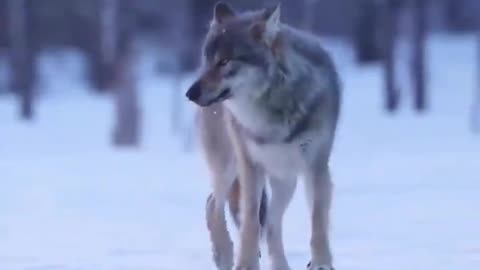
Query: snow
(406, 184)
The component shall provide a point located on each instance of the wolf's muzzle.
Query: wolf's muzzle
(194, 92)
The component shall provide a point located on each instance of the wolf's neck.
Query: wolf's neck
(277, 109)
(288, 90)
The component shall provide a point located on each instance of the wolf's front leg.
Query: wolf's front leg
(252, 182)
(319, 192)
(222, 246)
(282, 193)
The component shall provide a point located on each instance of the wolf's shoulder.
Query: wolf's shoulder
(308, 45)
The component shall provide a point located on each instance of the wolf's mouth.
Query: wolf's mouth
(225, 94)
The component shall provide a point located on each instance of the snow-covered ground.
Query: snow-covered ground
(406, 195)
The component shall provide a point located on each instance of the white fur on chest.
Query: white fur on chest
(290, 160)
(278, 160)
(254, 119)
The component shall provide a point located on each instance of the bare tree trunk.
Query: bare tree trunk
(309, 14)
(109, 31)
(3, 23)
(103, 51)
(127, 123)
(390, 12)
(191, 26)
(22, 57)
(186, 53)
(3, 32)
(418, 61)
(475, 113)
(127, 127)
(455, 16)
(365, 31)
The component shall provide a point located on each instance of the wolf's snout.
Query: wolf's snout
(194, 92)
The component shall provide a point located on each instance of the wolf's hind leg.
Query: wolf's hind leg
(222, 246)
(234, 206)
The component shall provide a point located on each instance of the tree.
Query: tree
(3, 23)
(127, 108)
(117, 49)
(365, 31)
(418, 55)
(22, 54)
(390, 19)
(103, 43)
(475, 113)
(456, 17)
(309, 7)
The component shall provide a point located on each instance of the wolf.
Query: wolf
(268, 98)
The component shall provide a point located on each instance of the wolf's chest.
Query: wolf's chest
(281, 161)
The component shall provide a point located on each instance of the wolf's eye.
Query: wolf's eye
(223, 62)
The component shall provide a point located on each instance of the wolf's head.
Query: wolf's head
(240, 55)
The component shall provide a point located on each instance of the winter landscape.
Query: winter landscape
(406, 184)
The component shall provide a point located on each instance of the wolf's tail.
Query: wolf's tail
(234, 206)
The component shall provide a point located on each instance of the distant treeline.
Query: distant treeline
(104, 31)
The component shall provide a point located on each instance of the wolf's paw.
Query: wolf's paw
(245, 268)
(223, 261)
(319, 267)
(279, 264)
(249, 267)
(280, 268)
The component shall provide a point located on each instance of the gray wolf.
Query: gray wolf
(268, 99)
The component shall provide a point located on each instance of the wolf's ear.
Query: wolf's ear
(271, 15)
(272, 23)
(269, 26)
(221, 12)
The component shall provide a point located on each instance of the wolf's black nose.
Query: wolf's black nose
(194, 92)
